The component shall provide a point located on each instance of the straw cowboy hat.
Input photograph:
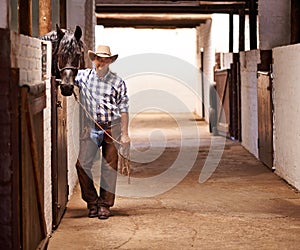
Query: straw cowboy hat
(102, 51)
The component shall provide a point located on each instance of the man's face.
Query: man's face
(102, 62)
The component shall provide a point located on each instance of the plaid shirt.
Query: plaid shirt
(105, 98)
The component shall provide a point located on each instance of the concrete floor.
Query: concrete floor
(240, 204)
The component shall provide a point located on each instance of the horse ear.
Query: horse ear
(60, 33)
(78, 33)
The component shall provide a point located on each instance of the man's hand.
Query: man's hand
(125, 140)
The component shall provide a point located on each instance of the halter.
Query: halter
(70, 67)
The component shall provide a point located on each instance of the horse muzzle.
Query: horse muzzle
(66, 89)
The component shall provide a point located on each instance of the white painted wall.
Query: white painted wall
(26, 54)
(158, 65)
(286, 91)
(249, 117)
(274, 23)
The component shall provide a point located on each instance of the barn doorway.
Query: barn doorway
(159, 66)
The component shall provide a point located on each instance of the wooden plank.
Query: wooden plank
(265, 119)
(15, 145)
(58, 154)
(38, 104)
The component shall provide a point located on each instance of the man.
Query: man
(104, 95)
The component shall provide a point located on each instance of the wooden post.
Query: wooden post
(241, 30)
(45, 16)
(25, 17)
(62, 13)
(253, 24)
(295, 21)
(231, 32)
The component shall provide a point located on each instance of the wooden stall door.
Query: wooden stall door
(33, 101)
(228, 111)
(265, 119)
(59, 153)
(223, 105)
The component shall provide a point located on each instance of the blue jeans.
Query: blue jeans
(109, 164)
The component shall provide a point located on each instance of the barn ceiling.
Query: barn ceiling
(168, 13)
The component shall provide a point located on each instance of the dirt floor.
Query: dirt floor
(188, 190)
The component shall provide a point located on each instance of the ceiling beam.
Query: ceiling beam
(166, 7)
(161, 2)
(151, 20)
(203, 9)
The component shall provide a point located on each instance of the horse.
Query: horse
(67, 56)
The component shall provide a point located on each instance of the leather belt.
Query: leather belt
(106, 125)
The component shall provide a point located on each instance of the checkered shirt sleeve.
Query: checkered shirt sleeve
(105, 98)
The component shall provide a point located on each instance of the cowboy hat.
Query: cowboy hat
(102, 51)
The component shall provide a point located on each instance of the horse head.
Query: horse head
(67, 56)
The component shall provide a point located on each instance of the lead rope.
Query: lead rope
(124, 152)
